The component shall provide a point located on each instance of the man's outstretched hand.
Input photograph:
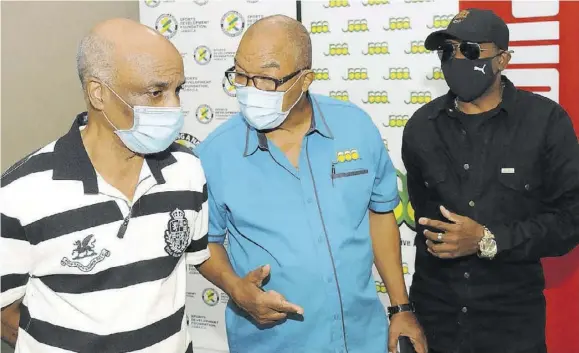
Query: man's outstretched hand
(265, 307)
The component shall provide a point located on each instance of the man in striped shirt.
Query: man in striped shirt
(97, 226)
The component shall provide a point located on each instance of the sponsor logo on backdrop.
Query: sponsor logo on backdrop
(380, 287)
(419, 97)
(321, 74)
(398, 24)
(417, 1)
(252, 1)
(398, 73)
(232, 23)
(166, 24)
(376, 97)
(375, 2)
(338, 49)
(356, 26)
(210, 297)
(440, 22)
(437, 74)
(152, 3)
(188, 141)
(202, 55)
(417, 47)
(194, 84)
(204, 114)
(396, 121)
(228, 88)
(251, 19)
(337, 3)
(356, 74)
(319, 27)
(340, 95)
(201, 2)
(377, 48)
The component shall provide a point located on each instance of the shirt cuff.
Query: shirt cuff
(219, 239)
(197, 258)
(384, 207)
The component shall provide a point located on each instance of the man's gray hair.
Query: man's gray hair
(95, 59)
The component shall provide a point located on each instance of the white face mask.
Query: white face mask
(154, 128)
(263, 109)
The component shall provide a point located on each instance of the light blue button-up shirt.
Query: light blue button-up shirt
(310, 224)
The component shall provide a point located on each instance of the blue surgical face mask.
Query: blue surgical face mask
(263, 109)
(154, 128)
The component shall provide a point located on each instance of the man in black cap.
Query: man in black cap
(493, 175)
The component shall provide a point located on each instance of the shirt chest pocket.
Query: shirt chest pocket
(520, 181)
(353, 182)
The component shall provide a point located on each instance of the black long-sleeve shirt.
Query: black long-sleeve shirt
(515, 170)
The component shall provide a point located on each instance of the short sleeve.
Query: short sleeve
(197, 251)
(385, 192)
(217, 228)
(15, 255)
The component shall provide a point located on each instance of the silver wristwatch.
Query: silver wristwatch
(487, 245)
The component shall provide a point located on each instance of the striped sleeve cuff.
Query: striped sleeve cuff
(384, 207)
(197, 258)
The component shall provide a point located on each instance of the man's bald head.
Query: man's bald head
(114, 42)
(123, 64)
(279, 36)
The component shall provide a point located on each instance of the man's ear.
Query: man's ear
(504, 60)
(94, 92)
(309, 78)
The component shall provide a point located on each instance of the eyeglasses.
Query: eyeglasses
(263, 83)
(470, 50)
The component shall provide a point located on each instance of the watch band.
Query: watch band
(400, 309)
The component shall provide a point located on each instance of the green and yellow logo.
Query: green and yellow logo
(338, 49)
(321, 74)
(376, 97)
(437, 74)
(380, 287)
(356, 74)
(417, 47)
(347, 156)
(375, 2)
(340, 95)
(398, 73)
(377, 48)
(319, 27)
(398, 24)
(440, 22)
(404, 212)
(337, 3)
(419, 97)
(396, 121)
(417, 1)
(356, 26)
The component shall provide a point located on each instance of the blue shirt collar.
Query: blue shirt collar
(255, 139)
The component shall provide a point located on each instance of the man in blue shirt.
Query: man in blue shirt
(304, 188)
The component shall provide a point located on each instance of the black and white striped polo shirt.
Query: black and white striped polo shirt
(100, 274)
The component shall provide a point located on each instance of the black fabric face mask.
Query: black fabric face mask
(469, 79)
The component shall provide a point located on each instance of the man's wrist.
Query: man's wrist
(487, 246)
(401, 308)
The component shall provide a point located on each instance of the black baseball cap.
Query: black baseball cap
(473, 25)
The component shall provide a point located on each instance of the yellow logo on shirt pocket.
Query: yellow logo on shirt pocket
(347, 156)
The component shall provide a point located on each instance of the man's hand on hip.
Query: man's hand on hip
(406, 324)
(265, 307)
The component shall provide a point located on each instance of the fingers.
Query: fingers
(277, 302)
(436, 224)
(445, 238)
(258, 275)
(453, 217)
(393, 341)
(443, 251)
(419, 344)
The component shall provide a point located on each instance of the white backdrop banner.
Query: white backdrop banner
(370, 52)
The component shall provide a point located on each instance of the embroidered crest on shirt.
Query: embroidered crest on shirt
(85, 249)
(177, 234)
